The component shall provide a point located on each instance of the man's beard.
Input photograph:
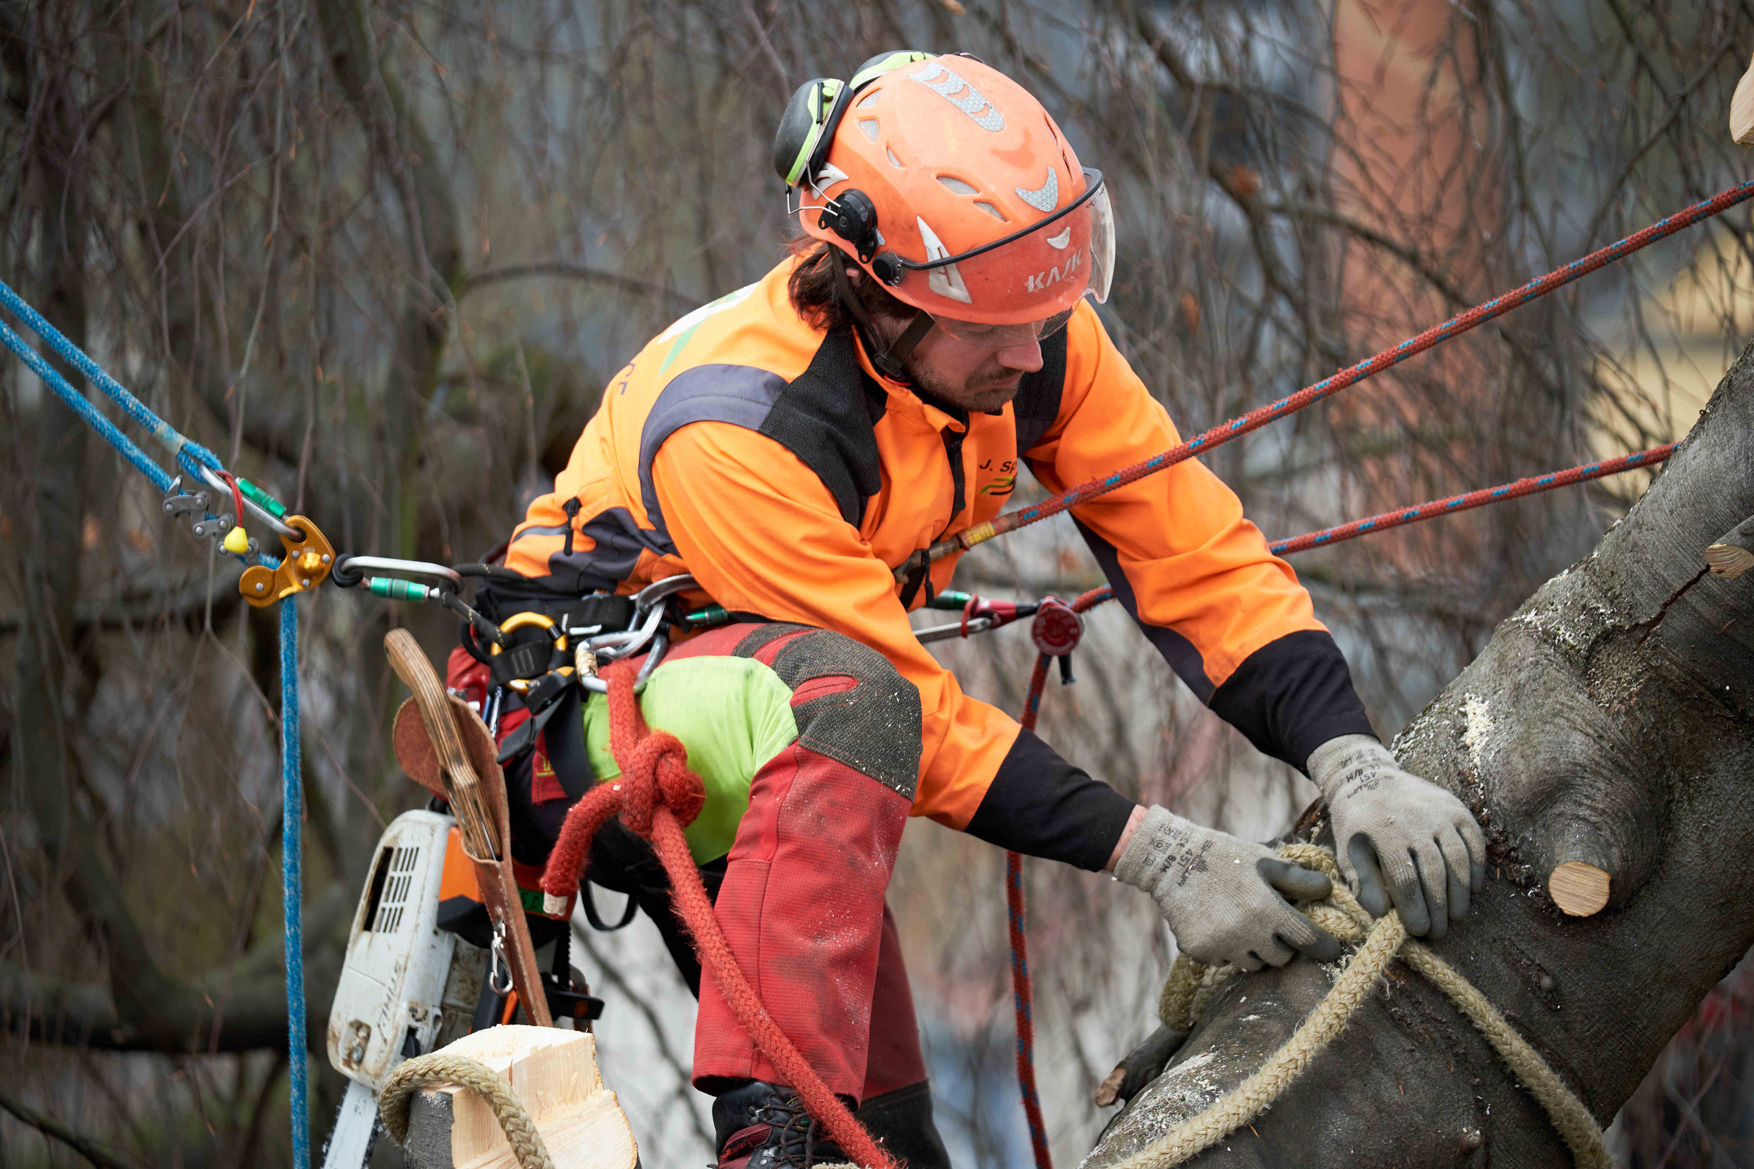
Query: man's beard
(984, 393)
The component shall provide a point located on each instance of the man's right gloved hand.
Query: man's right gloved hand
(1222, 896)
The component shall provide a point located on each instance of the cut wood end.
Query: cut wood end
(1579, 889)
(1727, 560)
(1109, 1090)
(553, 1072)
(1742, 109)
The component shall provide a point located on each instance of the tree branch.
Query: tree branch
(562, 269)
(245, 1002)
(52, 1128)
(185, 606)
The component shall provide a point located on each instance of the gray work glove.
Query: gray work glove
(1399, 836)
(1221, 895)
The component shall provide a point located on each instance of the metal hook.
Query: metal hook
(497, 962)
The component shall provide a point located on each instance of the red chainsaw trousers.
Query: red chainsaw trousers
(802, 900)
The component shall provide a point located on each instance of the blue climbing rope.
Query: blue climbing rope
(190, 456)
(83, 407)
(292, 884)
(193, 458)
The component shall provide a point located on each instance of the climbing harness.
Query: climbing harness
(1190, 985)
(307, 558)
(201, 465)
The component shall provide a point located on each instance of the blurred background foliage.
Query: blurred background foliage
(382, 257)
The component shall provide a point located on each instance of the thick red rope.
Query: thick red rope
(656, 796)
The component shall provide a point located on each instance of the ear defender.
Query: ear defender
(800, 148)
(853, 217)
(800, 136)
(801, 141)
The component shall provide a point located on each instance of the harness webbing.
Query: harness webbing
(192, 457)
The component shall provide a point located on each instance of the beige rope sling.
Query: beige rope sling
(439, 1069)
(1190, 986)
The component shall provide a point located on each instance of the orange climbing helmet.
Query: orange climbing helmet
(951, 185)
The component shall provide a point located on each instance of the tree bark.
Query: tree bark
(1610, 720)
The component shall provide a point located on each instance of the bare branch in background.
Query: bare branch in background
(388, 255)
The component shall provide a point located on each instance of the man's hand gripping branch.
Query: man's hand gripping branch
(1399, 838)
(1224, 898)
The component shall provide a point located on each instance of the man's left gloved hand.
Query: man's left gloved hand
(1398, 836)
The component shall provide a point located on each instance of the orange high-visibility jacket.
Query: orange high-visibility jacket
(767, 458)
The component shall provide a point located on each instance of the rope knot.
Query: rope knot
(656, 772)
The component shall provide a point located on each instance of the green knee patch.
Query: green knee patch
(731, 714)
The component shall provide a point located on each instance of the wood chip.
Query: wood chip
(1742, 109)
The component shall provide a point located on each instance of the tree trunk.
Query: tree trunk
(1611, 721)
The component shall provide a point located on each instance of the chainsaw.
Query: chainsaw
(411, 982)
(407, 986)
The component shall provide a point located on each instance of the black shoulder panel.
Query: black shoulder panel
(1038, 399)
(828, 417)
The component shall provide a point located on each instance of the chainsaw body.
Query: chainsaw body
(406, 986)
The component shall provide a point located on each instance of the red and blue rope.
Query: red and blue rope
(1436, 507)
(1261, 416)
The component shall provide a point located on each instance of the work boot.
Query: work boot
(901, 1121)
(765, 1126)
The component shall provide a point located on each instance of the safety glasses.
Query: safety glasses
(987, 336)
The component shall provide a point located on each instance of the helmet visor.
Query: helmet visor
(1003, 336)
(1010, 281)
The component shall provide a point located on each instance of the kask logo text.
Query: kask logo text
(1037, 281)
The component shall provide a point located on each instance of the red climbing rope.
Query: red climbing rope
(1254, 419)
(1056, 631)
(1436, 507)
(656, 796)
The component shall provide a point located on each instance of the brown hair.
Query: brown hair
(814, 296)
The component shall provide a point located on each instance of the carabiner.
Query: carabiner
(648, 609)
(283, 528)
(350, 570)
(557, 646)
(497, 962)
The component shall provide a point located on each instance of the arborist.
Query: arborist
(793, 446)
